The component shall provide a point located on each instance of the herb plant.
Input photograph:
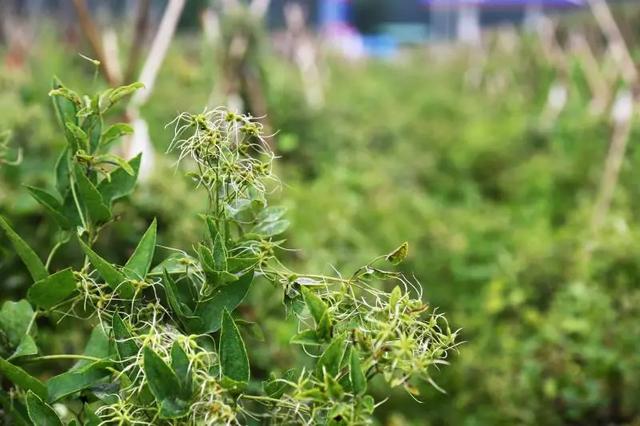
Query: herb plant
(167, 343)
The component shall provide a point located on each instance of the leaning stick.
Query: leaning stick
(93, 35)
(622, 114)
(157, 53)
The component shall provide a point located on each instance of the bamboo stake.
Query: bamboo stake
(141, 141)
(93, 35)
(622, 114)
(157, 52)
(141, 28)
(597, 82)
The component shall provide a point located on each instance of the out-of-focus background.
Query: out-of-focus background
(498, 137)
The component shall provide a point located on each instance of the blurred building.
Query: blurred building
(409, 21)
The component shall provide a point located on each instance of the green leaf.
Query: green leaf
(331, 358)
(176, 263)
(21, 378)
(114, 278)
(29, 257)
(62, 173)
(92, 125)
(114, 95)
(114, 132)
(91, 198)
(271, 214)
(334, 388)
(325, 326)
(269, 229)
(51, 204)
(172, 295)
(115, 160)
(356, 375)
(212, 228)
(307, 337)
(315, 304)
(120, 183)
(398, 255)
(208, 313)
(164, 385)
(15, 318)
(234, 362)
(240, 264)
(26, 347)
(163, 382)
(65, 104)
(219, 254)
(81, 140)
(138, 264)
(40, 413)
(179, 361)
(53, 289)
(98, 346)
(77, 379)
(181, 366)
(125, 345)
(275, 388)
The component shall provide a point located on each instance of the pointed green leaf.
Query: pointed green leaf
(358, 379)
(98, 346)
(29, 257)
(173, 408)
(51, 204)
(111, 96)
(163, 382)
(398, 255)
(307, 337)
(92, 126)
(164, 385)
(40, 413)
(114, 132)
(331, 358)
(138, 264)
(275, 388)
(77, 379)
(115, 160)
(65, 104)
(208, 313)
(125, 345)
(114, 278)
(219, 254)
(271, 214)
(62, 173)
(234, 362)
(26, 347)
(212, 227)
(172, 295)
(181, 366)
(53, 289)
(81, 140)
(325, 327)
(315, 304)
(120, 183)
(15, 318)
(270, 229)
(91, 199)
(179, 361)
(21, 378)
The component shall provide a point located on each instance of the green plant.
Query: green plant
(165, 348)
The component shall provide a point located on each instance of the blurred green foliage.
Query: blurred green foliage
(451, 154)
